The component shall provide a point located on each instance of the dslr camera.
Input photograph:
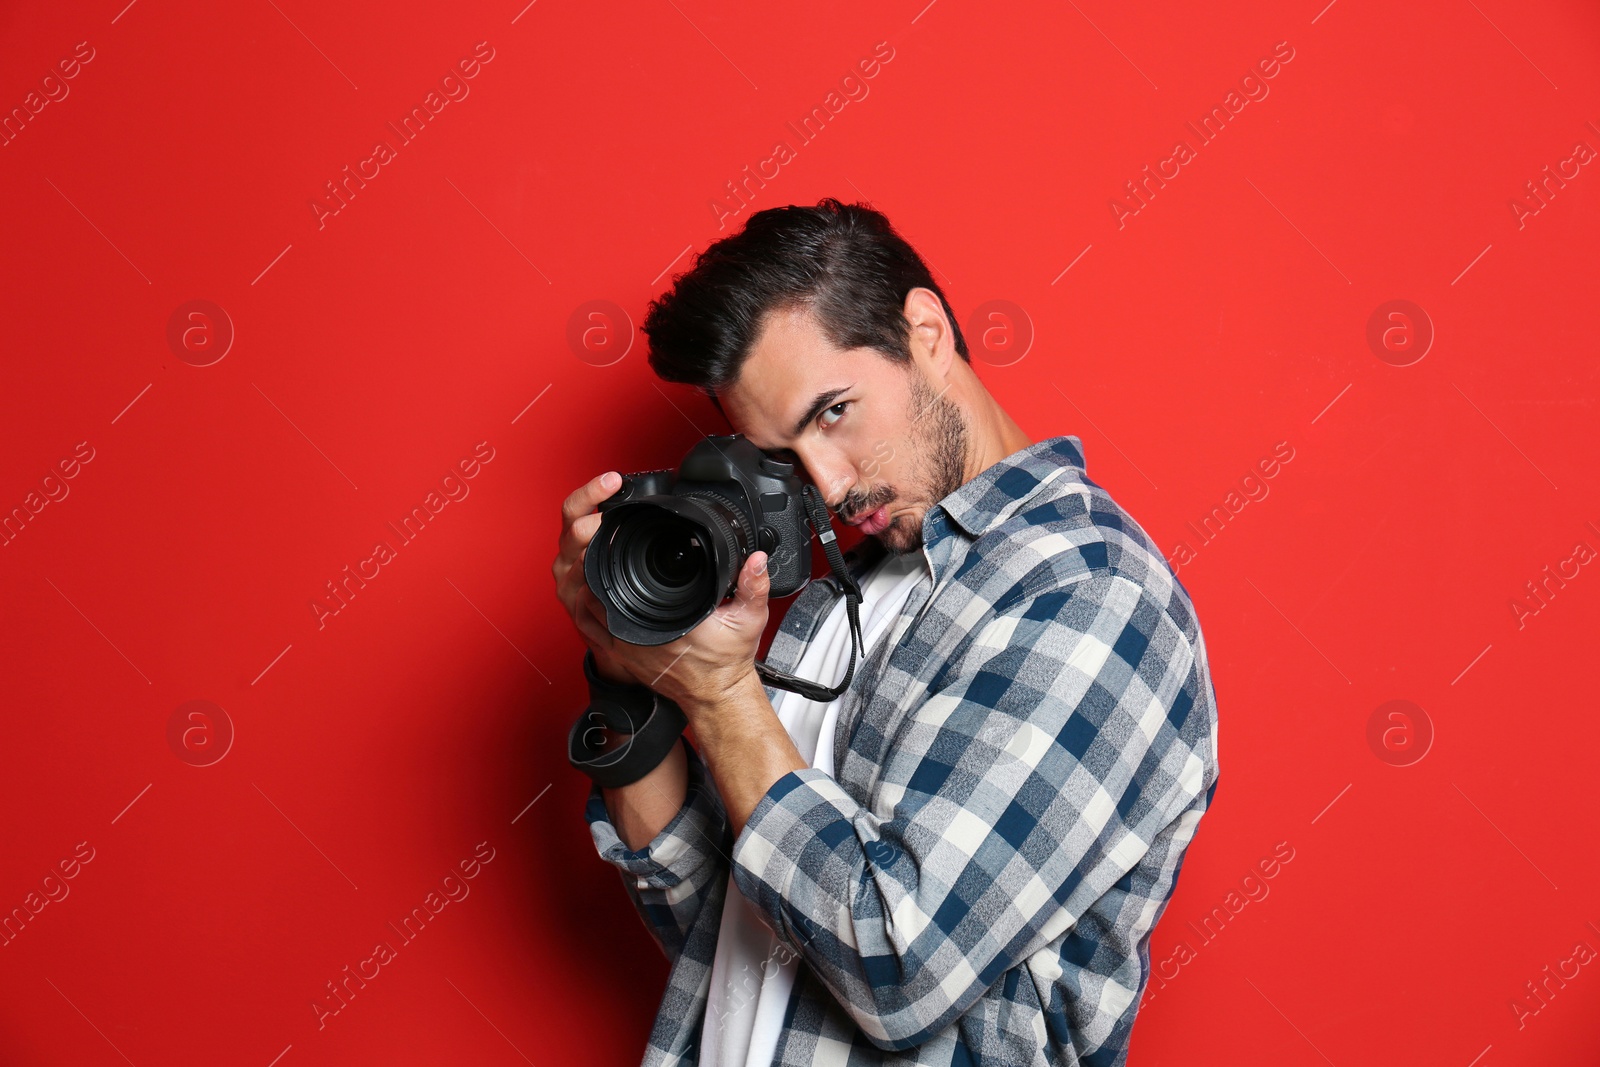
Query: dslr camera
(671, 544)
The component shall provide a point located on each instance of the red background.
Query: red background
(373, 753)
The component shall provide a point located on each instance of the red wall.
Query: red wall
(1424, 869)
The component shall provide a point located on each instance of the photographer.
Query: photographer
(961, 857)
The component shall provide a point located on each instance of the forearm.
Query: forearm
(745, 747)
(669, 870)
(641, 809)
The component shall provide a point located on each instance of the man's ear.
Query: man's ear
(931, 336)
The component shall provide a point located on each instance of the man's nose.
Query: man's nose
(833, 476)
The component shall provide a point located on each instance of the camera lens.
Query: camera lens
(660, 568)
(668, 562)
(673, 557)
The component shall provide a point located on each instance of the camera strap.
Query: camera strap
(817, 511)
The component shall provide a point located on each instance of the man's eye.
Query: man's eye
(835, 407)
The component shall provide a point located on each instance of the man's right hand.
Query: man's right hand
(580, 519)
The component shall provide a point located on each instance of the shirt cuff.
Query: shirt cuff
(679, 847)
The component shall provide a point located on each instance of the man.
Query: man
(959, 860)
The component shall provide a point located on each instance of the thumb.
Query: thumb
(755, 583)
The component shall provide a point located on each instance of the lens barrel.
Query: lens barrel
(664, 562)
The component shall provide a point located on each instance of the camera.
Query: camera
(671, 544)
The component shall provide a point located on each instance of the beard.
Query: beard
(938, 443)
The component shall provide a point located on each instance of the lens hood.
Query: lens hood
(661, 564)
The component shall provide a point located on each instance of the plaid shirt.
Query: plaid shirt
(1020, 766)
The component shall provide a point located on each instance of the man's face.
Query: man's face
(870, 433)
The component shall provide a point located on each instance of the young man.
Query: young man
(959, 860)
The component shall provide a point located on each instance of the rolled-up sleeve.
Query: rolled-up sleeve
(669, 878)
(1034, 772)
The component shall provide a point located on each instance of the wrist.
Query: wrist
(625, 733)
(723, 702)
(612, 675)
(607, 672)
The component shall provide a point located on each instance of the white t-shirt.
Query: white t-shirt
(753, 972)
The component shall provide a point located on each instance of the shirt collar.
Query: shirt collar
(977, 506)
(994, 494)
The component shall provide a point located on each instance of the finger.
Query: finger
(592, 606)
(567, 598)
(593, 628)
(587, 496)
(574, 593)
(569, 578)
(576, 535)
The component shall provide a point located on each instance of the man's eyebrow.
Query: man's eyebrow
(821, 402)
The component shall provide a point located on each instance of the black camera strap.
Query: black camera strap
(817, 511)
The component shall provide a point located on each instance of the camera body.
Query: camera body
(671, 544)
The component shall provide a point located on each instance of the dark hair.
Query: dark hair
(843, 262)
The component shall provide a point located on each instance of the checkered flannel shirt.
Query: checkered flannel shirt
(1019, 768)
